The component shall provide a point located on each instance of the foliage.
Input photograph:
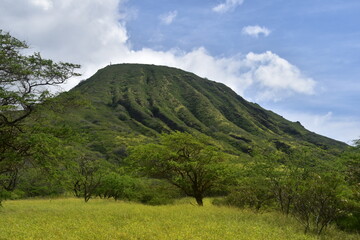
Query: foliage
(319, 201)
(350, 160)
(267, 180)
(314, 192)
(117, 186)
(37, 182)
(187, 161)
(251, 191)
(24, 83)
(158, 192)
(120, 186)
(356, 143)
(89, 171)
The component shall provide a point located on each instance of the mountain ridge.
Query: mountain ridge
(150, 99)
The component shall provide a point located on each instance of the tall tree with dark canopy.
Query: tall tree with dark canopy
(24, 83)
(189, 162)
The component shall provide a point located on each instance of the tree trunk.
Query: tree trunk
(288, 205)
(199, 201)
(77, 189)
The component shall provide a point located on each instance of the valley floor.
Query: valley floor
(107, 219)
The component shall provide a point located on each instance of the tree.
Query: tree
(190, 162)
(351, 161)
(356, 143)
(252, 191)
(24, 83)
(118, 187)
(24, 78)
(89, 172)
(271, 178)
(319, 200)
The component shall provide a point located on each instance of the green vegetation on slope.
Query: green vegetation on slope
(148, 100)
(104, 219)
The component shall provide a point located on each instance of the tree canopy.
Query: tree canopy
(190, 162)
(25, 80)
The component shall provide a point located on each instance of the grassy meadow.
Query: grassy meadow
(107, 219)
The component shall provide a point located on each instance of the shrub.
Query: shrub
(122, 187)
(146, 191)
(252, 196)
(319, 201)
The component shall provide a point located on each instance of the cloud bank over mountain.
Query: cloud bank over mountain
(94, 34)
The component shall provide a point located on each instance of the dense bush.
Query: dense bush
(118, 186)
(350, 222)
(253, 193)
(37, 183)
(316, 194)
(319, 201)
(158, 192)
(147, 191)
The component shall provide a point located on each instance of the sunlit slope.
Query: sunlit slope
(148, 100)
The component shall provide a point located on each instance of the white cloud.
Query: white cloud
(44, 4)
(275, 76)
(328, 124)
(168, 18)
(228, 5)
(93, 33)
(255, 31)
(89, 32)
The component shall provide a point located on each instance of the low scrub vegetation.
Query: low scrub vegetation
(316, 195)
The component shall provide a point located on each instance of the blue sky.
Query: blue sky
(298, 58)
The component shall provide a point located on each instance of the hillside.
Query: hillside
(145, 100)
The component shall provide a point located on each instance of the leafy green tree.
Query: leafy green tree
(120, 186)
(38, 182)
(273, 175)
(89, 170)
(351, 162)
(311, 190)
(24, 83)
(24, 79)
(356, 143)
(287, 178)
(270, 179)
(190, 162)
(319, 200)
(253, 192)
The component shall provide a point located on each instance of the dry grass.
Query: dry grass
(106, 219)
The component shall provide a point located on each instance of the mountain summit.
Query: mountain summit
(148, 100)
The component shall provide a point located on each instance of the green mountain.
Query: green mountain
(134, 101)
